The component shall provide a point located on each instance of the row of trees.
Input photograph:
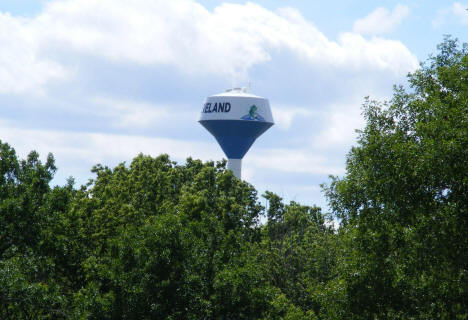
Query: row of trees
(159, 240)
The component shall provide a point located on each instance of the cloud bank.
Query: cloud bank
(184, 35)
(102, 80)
(381, 21)
(456, 12)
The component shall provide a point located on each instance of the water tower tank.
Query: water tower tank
(236, 119)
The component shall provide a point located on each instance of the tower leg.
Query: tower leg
(235, 165)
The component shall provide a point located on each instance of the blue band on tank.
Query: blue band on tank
(235, 136)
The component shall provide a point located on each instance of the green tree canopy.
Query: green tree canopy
(403, 200)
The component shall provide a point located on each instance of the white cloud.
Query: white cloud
(377, 54)
(284, 115)
(88, 149)
(292, 160)
(21, 68)
(339, 128)
(381, 21)
(461, 12)
(83, 45)
(135, 114)
(456, 12)
(182, 34)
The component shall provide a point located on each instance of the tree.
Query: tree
(170, 241)
(23, 188)
(31, 282)
(403, 201)
(297, 254)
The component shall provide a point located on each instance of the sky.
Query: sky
(100, 81)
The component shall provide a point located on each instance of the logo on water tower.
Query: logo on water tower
(253, 115)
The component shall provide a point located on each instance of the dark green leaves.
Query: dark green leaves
(404, 197)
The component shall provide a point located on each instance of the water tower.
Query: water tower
(236, 119)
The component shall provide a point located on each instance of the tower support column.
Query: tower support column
(235, 165)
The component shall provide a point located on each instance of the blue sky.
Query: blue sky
(99, 81)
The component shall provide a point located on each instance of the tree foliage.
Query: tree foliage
(150, 240)
(404, 197)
